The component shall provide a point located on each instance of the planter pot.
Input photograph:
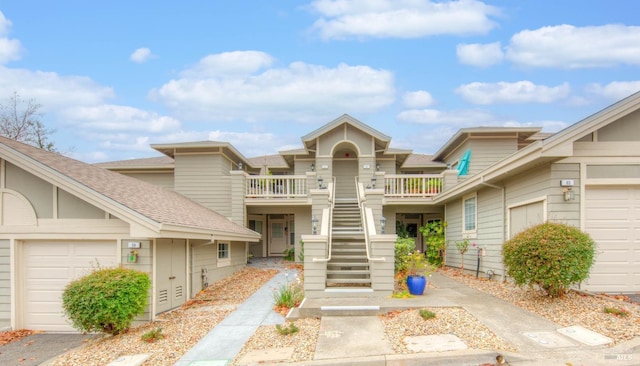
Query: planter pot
(416, 284)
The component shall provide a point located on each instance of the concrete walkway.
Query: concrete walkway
(362, 340)
(225, 341)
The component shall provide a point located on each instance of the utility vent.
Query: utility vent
(163, 296)
(178, 292)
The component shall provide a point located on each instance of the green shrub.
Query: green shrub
(426, 314)
(289, 295)
(152, 335)
(106, 300)
(301, 254)
(550, 255)
(433, 233)
(403, 248)
(289, 254)
(286, 330)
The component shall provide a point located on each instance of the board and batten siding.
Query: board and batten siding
(5, 284)
(205, 179)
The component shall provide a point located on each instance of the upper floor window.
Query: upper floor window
(469, 214)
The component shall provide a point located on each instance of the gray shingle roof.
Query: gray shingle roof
(158, 204)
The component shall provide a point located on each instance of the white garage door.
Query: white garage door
(48, 268)
(613, 221)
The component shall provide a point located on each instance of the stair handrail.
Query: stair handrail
(362, 204)
(331, 187)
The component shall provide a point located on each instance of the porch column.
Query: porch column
(238, 208)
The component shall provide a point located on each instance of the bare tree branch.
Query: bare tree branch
(20, 120)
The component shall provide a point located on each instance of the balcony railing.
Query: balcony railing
(412, 185)
(276, 186)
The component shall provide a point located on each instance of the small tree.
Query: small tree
(403, 248)
(550, 255)
(433, 234)
(23, 123)
(106, 300)
(462, 246)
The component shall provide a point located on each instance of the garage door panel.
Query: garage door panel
(48, 268)
(612, 218)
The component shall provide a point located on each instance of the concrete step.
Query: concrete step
(351, 281)
(348, 272)
(350, 265)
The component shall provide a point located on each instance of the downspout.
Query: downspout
(504, 199)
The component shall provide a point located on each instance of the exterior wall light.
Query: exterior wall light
(313, 167)
(373, 182)
(383, 223)
(240, 166)
(377, 167)
(320, 182)
(569, 194)
(314, 225)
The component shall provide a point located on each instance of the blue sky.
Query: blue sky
(115, 76)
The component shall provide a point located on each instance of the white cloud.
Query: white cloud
(546, 125)
(401, 18)
(52, 90)
(232, 64)
(615, 90)
(417, 99)
(567, 46)
(461, 118)
(519, 92)
(141, 55)
(111, 117)
(10, 49)
(299, 92)
(481, 55)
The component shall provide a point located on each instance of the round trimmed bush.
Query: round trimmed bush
(552, 256)
(106, 300)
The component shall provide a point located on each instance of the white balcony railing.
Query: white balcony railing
(412, 185)
(276, 186)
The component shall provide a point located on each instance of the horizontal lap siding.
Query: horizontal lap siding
(5, 284)
(206, 180)
(164, 180)
(559, 210)
(490, 231)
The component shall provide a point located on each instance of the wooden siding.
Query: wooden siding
(5, 283)
(72, 207)
(144, 264)
(206, 179)
(202, 256)
(559, 210)
(36, 190)
(238, 261)
(164, 180)
(529, 185)
(453, 232)
(484, 152)
(626, 128)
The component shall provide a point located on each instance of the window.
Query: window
(223, 251)
(469, 215)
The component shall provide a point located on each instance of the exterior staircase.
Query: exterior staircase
(348, 267)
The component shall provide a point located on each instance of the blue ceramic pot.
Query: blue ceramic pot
(416, 284)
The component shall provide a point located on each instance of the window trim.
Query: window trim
(223, 261)
(473, 233)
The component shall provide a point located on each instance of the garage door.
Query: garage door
(612, 218)
(48, 268)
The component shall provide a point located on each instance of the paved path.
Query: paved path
(225, 341)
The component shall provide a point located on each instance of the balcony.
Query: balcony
(398, 186)
(276, 187)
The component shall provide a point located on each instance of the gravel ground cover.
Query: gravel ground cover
(575, 308)
(181, 328)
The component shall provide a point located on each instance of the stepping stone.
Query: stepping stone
(133, 360)
(351, 336)
(434, 343)
(267, 355)
(548, 339)
(585, 336)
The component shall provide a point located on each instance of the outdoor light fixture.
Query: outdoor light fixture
(313, 167)
(240, 166)
(373, 182)
(383, 223)
(569, 194)
(377, 167)
(320, 182)
(314, 225)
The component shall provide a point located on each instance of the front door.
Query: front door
(345, 171)
(277, 237)
(171, 273)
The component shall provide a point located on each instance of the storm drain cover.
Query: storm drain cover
(548, 339)
(585, 336)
